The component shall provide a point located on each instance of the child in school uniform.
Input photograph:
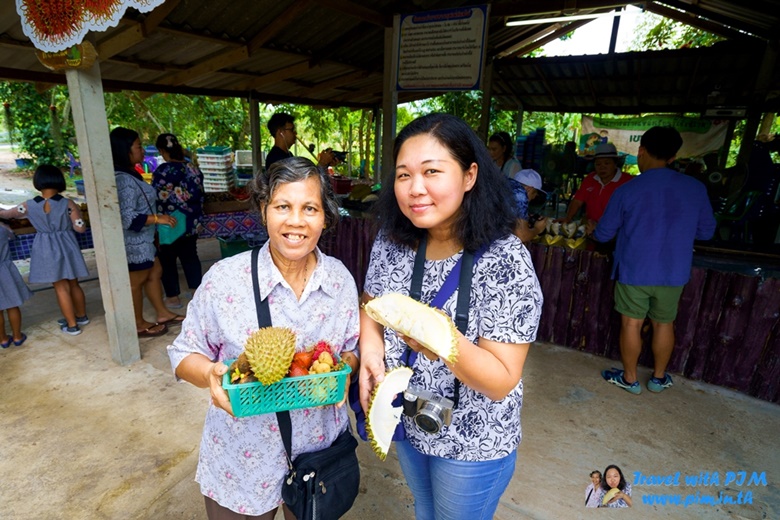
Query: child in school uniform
(55, 256)
(13, 292)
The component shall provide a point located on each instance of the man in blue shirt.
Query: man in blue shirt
(656, 218)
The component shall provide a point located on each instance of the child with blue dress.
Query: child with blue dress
(13, 292)
(55, 256)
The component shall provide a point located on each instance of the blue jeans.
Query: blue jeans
(447, 489)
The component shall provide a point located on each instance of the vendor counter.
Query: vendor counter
(727, 328)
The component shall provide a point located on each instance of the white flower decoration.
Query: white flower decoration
(79, 222)
(21, 209)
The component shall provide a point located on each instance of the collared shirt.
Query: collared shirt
(595, 194)
(656, 218)
(506, 304)
(242, 460)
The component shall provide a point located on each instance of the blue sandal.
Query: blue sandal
(19, 343)
(7, 342)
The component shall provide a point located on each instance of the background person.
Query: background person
(592, 491)
(613, 478)
(656, 218)
(13, 292)
(282, 128)
(309, 292)
(526, 186)
(55, 256)
(138, 211)
(599, 185)
(179, 186)
(441, 185)
(501, 151)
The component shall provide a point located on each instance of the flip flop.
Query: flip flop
(149, 333)
(7, 342)
(173, 321)
(19, 343)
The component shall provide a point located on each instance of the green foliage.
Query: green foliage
(39, 123)
(655, 32)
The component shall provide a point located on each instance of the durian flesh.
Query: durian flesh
(383, 417)
(428, 326)
(270, 351)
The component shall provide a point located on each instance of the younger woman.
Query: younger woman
(13, 292)
(435, 201)
(179, 187)
(55, 256)
(613, 478)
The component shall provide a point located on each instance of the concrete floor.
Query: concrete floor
(84, 438)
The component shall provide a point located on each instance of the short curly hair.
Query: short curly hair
(294, 169)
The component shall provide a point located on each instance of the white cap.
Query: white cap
(530, 178)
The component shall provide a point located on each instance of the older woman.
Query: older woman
(501, 151)
(138, 209)
(434, 205)
(242, 460)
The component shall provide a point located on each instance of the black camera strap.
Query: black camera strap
(264, 320)
(463, 270)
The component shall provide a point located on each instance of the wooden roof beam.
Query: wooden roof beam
(358, 11)
(695, 21)
(277, 76)
(339, 81)
(550, 37)
(134, 32)
(721, 19)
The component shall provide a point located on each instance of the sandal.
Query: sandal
(19, 343)
(173, 321)
(148, 332)
(7, 342)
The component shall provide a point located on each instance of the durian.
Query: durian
(609, 495)
(428, 326)
(569, 229)
(383, 417)
(270, 351)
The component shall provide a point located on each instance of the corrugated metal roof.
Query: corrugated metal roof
(330, 52)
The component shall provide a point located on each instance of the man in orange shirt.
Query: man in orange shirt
(598, 186)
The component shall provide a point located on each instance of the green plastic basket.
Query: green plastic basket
(290, 393)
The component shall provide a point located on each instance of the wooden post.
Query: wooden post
(390, 94)
(89, 119)
(377, 145)
(254, 125)
(487, 97)
(615, 28)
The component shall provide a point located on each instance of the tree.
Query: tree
(655, 32)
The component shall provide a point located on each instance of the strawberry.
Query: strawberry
(321, 347)
(297, 370)
(304, 358)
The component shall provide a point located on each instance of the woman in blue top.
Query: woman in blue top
(446, 190)
(179, 186)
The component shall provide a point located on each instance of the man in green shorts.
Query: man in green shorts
(656, 218)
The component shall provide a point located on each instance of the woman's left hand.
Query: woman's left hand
(219, 396)
(167, 220)
(419, 348)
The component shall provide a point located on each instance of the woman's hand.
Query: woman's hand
(168, 220)
(433, 356)
(219, 396)
(372, 372)
(354, 363)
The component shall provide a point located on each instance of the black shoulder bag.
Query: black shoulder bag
(321, 485)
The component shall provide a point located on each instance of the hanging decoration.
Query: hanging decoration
(56, 25)
(79, 56)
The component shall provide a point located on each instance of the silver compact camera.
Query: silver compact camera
(429, 411)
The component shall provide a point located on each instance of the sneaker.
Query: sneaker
(615, 376)
(659, 385)
(80, 321)
(73, 331)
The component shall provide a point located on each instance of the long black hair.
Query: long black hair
(486, 212)
(621, 485)
(504, 140)
(122, 140)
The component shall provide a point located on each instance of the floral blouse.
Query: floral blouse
(505, 306)
(617, 503)
(179, 186)
(242, 461)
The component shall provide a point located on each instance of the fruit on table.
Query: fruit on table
(270, 352)
(382, 416)
(428, 326)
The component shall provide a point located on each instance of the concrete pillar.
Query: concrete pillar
(89, 119)
(487, 97)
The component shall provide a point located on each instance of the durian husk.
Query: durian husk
(609, 495)
(428, 326)
(383, 417)
(270, 351)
